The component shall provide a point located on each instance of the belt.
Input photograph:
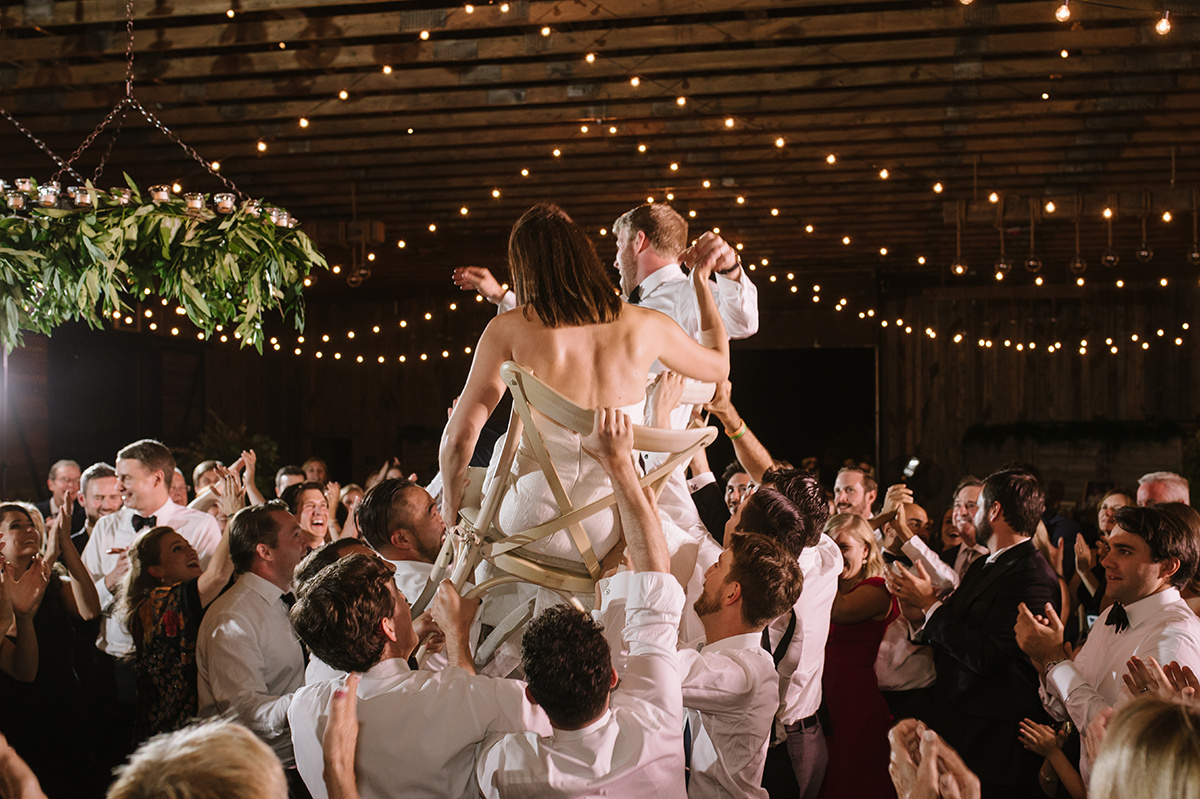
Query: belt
(805, 724)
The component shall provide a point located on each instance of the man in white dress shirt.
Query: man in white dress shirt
(144, 472)
(797, 639)
(1155, 552)
(730, 687)
(247, 657)
(403, 523)
(608, 739)
(419, 729)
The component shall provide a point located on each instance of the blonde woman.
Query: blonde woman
(862, 610)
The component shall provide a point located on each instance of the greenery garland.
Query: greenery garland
(91, 263)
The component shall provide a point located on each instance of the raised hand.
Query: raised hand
(611, 438)
(340, 741)
(913, 588)
(1040, 637)
(1038, 738)
(477, 278)
(709, 254)
(1085, 558)
(26, 591)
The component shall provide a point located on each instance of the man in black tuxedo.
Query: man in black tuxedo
(985, 684)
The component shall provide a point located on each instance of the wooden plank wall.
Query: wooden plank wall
(933, 390)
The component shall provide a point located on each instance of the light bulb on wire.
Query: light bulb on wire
(1064, 12)
(1163, 26)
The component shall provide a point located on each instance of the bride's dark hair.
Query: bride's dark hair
(556, 271)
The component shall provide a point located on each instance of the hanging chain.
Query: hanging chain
(170, 134)
(41, 144)
(129, 49)
(108, 150)
(68, 166)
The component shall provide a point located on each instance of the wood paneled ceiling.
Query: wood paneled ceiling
(995, 96)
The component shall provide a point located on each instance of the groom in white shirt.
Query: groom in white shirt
(1155, 551)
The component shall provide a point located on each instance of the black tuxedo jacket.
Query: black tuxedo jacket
(710, 503)
(985, 684)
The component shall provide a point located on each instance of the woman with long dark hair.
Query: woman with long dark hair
(575, 334)
(165, 596)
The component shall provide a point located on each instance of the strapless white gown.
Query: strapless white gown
(529, 501)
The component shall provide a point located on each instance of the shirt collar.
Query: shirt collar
(264, 588)
(389, 667)
(664, 274)
(744, 641)
(575, 735)
(1149, 606)
(165, 512)
(995, 555)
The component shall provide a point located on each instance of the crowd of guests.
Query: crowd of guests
(757, 634)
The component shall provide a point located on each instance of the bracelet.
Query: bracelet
(738, 265)
(741, 431)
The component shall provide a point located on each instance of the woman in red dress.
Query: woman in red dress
(862, 610)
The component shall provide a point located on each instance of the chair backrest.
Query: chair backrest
(531, 394)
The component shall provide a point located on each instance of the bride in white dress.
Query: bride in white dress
(573, 332)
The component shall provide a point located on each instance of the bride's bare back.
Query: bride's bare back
(595, 366)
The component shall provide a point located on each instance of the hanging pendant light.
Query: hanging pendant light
(1033, 264)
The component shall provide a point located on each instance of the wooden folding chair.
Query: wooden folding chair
(477, 539)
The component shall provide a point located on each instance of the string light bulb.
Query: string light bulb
(546, 30)
(641, 148)
(387, 69)
(993, 197)
(681, 101)
(590, 58)
(938, 188)
(424, 35)
(1163, 26)
(304, 122)
(216, 165)
(1063, 13)
(1050, 206)
(779, 142)
(831, 159)
(1166, 217)
(729, 122)
(884, 174)
(635, 81)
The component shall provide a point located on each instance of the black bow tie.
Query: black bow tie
(1117, 617)
(143, 521)
(635, 296)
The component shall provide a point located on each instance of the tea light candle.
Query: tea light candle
(276, 215)
(16, 200)
(24, 184)
(160, 193)
(81, 196)
(254, 208)
(225, 203)
(48, 194)
(121, 196)
(194, 200)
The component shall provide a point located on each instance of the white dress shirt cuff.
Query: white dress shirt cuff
(700, 481)
(507, 302)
